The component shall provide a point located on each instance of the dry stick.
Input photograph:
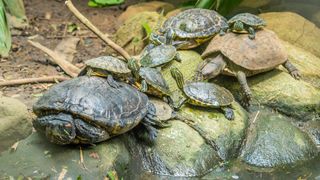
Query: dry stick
(47, 79)
(94, 29)
(67, 67)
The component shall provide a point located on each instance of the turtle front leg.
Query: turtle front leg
(228, 112)
(177, 57)
(144, 86)
(112, 82)
(244, 85)
(294, 72)
(252, 33)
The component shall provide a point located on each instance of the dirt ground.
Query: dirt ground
(25, 61)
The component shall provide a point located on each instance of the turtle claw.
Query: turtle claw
(296, 74)
(246, 101)
(228, 113)
(252, 36)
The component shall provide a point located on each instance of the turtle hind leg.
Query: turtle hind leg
(112, 82)
(148, 133)
(294, 72)
(246, 100)
(228, 113)
(252, 34)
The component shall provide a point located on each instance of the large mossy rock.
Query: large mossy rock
(307, 63)
(278, 90)
(273, 141)
(179, 151)
(15, 122)
(225, 136)
(36, 158)
(295, 29)
(132, 35)
(151, 6)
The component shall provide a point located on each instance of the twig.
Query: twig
(67, 67)
(81, 159)
(47, 79)
(94, 29)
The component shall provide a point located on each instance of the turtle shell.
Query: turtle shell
(248, 19)
(154, 78)
(91, 99)
(109, 63)
(196, 23)
(263, 53)
(158, 56)
(208, 94)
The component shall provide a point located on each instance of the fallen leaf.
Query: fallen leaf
(94, 155)
(14, 147)
(67, 48)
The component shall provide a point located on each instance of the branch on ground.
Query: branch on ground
(66, 66)
(48, 79)
(94, 29)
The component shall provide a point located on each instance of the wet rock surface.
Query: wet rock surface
(35, 157)
(15, 122)
(273, 141)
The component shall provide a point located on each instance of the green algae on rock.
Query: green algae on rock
(295, 29)
(273, 141)
(15, 122)
(132, 36)
(37, 158)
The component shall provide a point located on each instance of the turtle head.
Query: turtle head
(177, 76)
(134, 67)
(238, 26)
(156, 39)
(59, 128)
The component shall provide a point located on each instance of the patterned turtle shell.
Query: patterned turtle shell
(196, 23)
(208, 94)
(248, 19)
(265, 52)
(154, 78)
(108, 63)
(158, 56)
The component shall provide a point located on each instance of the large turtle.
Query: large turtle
(236, 55)
(150, 80)
(105, 66)
(88, 110)
(205, 94)
(246, 23)
(192, 27)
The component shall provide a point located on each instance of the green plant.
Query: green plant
(103, 3)
(222, 6)
(5, 35)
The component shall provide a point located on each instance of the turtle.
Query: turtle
(246, 23)
(192, 27)
(204, 94)
(237, 55)
(105, 66)
(87, 110)
(159, 56)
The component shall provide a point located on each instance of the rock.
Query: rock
(253, 3)
(295, 29)
(153, 6)
(15, 122)
(132, 36)
(176, 11)
(273, 141)
(188, 65)
(179, 151)
(316, 18)
(36, 158)
(307, 63)
(312, 128)
(225, 134)
(278, 90)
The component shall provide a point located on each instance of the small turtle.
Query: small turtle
(105, 66)
(88, 110)
(192, 27)
(159, 55)
(236, 55)
(149, 80)
(246, 23)
(205, 94)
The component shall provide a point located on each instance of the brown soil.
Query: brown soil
(25, 61)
